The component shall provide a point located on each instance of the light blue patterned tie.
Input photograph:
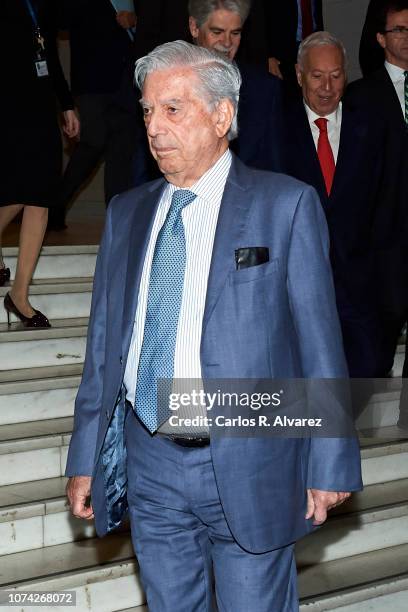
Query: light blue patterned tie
(162, 314)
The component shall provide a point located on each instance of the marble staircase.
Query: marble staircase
(357, 562)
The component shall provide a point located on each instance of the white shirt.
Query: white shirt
(333, 127)
(200, 222)
(398, 80)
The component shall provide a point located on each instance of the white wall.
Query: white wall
(345, 19)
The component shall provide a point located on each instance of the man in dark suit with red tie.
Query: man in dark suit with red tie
(337, 151)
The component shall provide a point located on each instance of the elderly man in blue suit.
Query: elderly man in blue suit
(215, 271)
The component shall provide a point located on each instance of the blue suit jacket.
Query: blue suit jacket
(275, 320)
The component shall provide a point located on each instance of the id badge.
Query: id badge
(41, 68)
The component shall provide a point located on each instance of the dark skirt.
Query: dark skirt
(31, 154)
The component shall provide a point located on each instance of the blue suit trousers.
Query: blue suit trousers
(189, 560)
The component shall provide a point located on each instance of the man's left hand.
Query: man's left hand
(319, 502)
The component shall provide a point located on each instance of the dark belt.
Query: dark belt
(189, 442)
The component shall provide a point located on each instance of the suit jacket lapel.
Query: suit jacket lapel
(140, 231)
(232, 220)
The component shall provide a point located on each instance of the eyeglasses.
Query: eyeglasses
(398, 31)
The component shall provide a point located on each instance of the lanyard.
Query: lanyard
(37, 32)
(32, 13)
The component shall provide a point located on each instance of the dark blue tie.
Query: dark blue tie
(162, 314)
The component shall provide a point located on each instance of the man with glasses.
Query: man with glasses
(385, 94)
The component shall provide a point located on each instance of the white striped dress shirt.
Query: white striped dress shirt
(200, 222)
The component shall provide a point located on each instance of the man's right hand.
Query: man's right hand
(78, 491)
(273, 66)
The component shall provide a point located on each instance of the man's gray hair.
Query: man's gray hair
(218, 77)
(202, 9)
(319, 39)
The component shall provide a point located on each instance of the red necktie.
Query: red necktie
(307, 18)
(325, 154)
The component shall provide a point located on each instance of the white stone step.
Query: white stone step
(36, 514)
(56, 298)
(58, 261)
(376, 518)
(35, 524)
(384, 461)
(27, 493)
(34, 451)
(104, 575)
(102, 572)
(62, 344)
(397, 602)
(37, 400)
(354, 580)
(381, 411)
(34, 374)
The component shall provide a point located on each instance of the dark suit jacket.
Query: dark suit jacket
(371, 54)
(378, 94)
(159, 21)
(274, 320)
(271, 30)
(100, 47)
(260, 113)
(352, 207)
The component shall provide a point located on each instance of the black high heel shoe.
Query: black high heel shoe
(4, 276)
(38, 320)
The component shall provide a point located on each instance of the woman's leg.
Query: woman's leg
(7, 214)
(32, 232)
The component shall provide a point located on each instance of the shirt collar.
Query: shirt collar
(396, 72)
(210, 186)
(334, 117)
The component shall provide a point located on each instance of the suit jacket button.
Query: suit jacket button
(121, 360)
(107, 415)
